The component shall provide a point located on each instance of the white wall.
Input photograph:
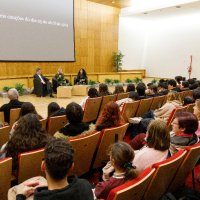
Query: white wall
(161, 44)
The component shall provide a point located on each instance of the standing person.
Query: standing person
(13, 95)
(57, 164)
(81, 78)
(42, 86)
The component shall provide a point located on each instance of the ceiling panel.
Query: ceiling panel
(114, 3)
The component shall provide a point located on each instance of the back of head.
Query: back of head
(163, 85)
(122, 156)
(173, 95)
(52, 108)
(13, 94)
(130, 87)
(194, 85)
(185, 84)
(26, 108)
(172, 82)
(187, 121)
(103, 89)
(92, 92)
(188, 100)
(153, 88)
(74, 113)
(178, 79)
(158, 136)
(118, 89)
(134, 95)
(141, 89)
(58, 158)
(196, 94)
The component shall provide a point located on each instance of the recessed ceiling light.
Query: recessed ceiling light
(113, 1)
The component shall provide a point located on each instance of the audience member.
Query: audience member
(103, 90)
(187, 100)
(28, 136)
(42, 85)
(152, 91)
(81, 78)
(57, 164)
(185, 86)
(178, 79)
(121, 156)
(197, 113)
(55, 110)
(92, 93)
(13, 95)
(130, 87)
(162, 88)
(75, 126)
(118, 89)
(173, 86)
(26, 108)
(110, 117)
(141, 87)
(196, 94)
(133, 96)
(184, 126)
(156, 148)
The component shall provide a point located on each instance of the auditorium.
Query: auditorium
(99, 99)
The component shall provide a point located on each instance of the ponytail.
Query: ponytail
(130, 172)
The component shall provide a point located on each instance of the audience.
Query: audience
(156, 148)
(162, 88)
(57, 164)
(118, 89)
(185, 86)
(121, 156)
(28, 136)
(130, 87)
(184, 126)
(187, 100)
(197, 113)
(110, 117)
(55, 110)
(173, 86)
(103, 90)
(13, 95)
(133, 96)
(75, 126)
(92, 93)
(141, 87)
(26, 108)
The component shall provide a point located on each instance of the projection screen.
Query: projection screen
(37, 30)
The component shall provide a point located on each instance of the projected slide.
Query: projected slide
(37, 30)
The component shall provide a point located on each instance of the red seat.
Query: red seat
(133, 189)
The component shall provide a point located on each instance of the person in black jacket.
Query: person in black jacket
(13, 95)
(58, 161)
(42, 86)
(81, 78)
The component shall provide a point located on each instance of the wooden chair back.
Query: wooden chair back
(190, 107)
(56, 123)
(44, 123)
(91, 110)
(4, 135)
(108, 136)
(30, 164)
(105, 100)
(5, 177)
(2, 117)
(165, 172)
(84, 147)
(191, 158)
(157, 102)
(122, 96)
(133, 189)
(14, 115)
(129, 110)
(144, 106)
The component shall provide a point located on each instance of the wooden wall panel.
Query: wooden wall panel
(96, 38)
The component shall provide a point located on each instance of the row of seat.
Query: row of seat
(90, 151)
(162, 177)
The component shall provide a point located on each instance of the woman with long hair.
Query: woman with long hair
(28, 136)
(110, 117)
(103, 90)
(81, 78)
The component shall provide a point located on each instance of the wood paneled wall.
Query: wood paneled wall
(96, 38)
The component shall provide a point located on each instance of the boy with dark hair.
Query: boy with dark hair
(58, 162)
(172, 85)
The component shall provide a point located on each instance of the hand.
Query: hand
(27, 189)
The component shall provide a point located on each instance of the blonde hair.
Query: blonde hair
(171, 96)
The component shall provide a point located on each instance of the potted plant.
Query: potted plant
(137, 80)
(128, 80)
(91, 82)
(117, 60)
(108, 81)
(20, 88)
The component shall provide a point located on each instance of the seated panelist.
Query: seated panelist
(81, 78)
(42, 86)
